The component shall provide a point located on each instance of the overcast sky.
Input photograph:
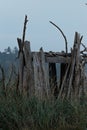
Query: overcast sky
(69, 15)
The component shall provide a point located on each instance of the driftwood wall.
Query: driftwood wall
(38, 72)
(33, 77)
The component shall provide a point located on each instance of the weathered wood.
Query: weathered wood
(40, 75)
(37, 80)
(21, 57)
(45, 77)
(82, 80)
(33, 70)
(77, 64)
(28, 81)
(63, 68)
(24, 29)
(57, 59)
(66, 43)
(52, 54)
(21, 69)
(63, 82)
(21, 65)
(53, 79)
(71, 74)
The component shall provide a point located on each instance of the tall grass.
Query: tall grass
(22, 113)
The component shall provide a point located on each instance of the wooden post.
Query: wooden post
(63, 69)
(40, 75)
(28, 81)
(21, 57)
(74, 74)
(21, 65)
(77, 64)
(53, 79)
(64, 82)
(71, 74)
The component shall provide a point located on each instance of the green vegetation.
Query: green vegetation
(23, 113)
(7, 59)
(19, 112)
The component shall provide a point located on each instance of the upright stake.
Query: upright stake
(24, 29)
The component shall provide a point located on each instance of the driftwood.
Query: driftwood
(71, 73)
(53, 79)
(74, 76)
(63, 82)
(21, 66)
(28, 79)
(38, 69)
(40, 75)
(66, 43)
(33, 78)
(24, 29)
(77, 63)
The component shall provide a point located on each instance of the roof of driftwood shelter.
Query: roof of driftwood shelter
(60, 57)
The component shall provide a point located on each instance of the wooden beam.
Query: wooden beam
(57, 59)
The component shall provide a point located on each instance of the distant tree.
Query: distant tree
(7, 50)
(15, 50)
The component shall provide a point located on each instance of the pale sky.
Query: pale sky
(69, 15)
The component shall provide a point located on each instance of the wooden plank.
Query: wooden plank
(21, 65)
(63, 82)
(71, 73)
(28, 81)
(45, 74)
(57, 59)
(62, 53)
(40, 75)
(77, 64)
(63, 68)
(53, 79)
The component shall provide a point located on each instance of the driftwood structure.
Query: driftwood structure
(38, 70)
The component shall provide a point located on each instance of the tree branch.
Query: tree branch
(24, 29)
(62, 35)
